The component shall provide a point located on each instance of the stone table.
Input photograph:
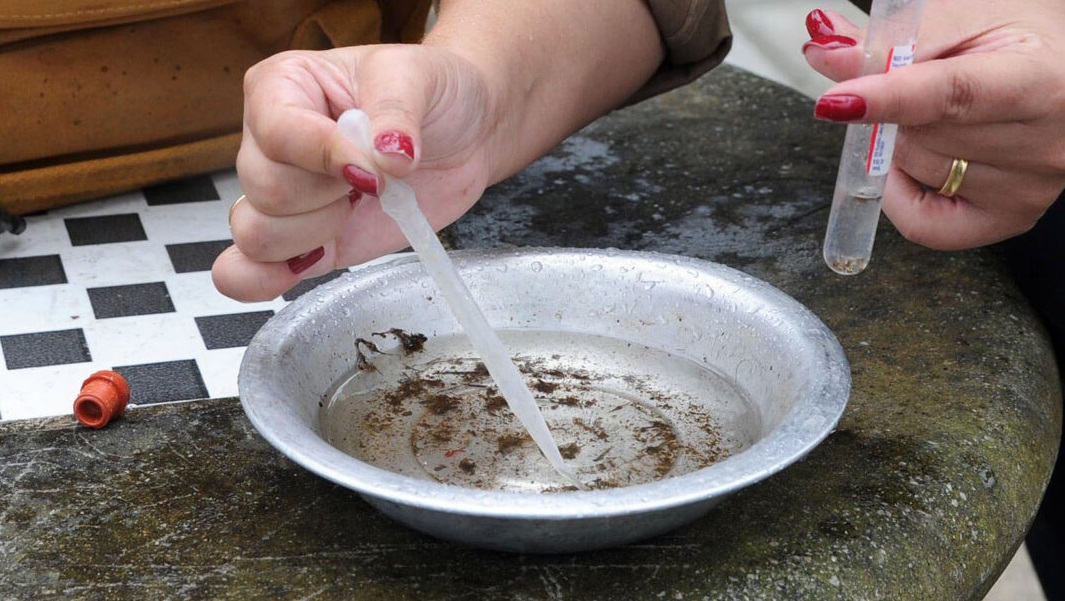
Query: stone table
(924, 491)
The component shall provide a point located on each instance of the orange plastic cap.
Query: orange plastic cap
(103, 397)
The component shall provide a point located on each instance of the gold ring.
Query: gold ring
(234, 208)
(957, 173)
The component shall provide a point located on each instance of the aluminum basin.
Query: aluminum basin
(672, 382)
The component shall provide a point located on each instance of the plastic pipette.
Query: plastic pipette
(890, 42)
(399, 202)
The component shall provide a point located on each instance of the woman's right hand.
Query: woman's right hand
(311, 196)
(493, 86)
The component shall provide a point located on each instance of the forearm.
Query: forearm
(551, 66)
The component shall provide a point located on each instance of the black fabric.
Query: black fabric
(1037, 262)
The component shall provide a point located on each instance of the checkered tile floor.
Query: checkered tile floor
(124, 283)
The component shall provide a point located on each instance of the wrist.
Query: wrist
(549, 68)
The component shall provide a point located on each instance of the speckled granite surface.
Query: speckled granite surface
(923, 492)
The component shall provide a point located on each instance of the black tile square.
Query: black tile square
(192, 189)
(134, 299)
(307, 285)
(165, 382)
(229, 331)
(40, 349)
(195, 256)
(24, 272)
(105, 229)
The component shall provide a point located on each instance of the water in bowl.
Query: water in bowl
(622, 413)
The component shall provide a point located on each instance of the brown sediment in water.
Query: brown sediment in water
(448, 408)
(509, 442)
(439, 404)
(569, 451)
(411, 342)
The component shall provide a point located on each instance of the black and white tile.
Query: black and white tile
(124, 283)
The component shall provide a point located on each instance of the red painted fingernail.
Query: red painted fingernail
(298, 265)
(354, 197)
(830, 42)
(840, 107)
(394, 142)
(361, 179)
(818, 24)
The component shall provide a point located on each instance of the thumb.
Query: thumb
(394, 87)
(835, 46)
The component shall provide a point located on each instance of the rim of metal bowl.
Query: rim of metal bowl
(801, 429)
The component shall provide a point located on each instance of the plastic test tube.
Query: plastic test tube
(890, 41)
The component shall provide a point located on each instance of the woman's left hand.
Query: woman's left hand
(988, 86)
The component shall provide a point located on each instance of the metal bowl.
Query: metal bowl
(673, 382)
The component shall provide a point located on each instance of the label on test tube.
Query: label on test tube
(882, 143)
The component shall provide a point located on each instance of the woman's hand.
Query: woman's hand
(311, 203)
(988, 87)
(491, 88)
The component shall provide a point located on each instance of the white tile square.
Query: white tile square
(43, 309)
(43, 391)
(43, 236)
(187, 222)
(116, 264)
(219, 369)
(140, 339)
(194, 294)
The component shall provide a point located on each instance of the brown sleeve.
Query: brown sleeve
(697, 38)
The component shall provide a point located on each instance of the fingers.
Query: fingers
(965, 89)
(1018, 146)
(296, 167)
(990, 205)
(280, 189)
(245, 280)
(931, 169)
(927, 218)
(291, 158)
(367, 234)
(396, 102)
(822, 23)
(835, 46)
(290, 104)
(269, 238)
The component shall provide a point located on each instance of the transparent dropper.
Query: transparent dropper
(399, 202)
(891, 38)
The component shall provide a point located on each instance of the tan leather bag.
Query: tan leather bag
(103, 96)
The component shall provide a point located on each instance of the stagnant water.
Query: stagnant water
(622, 413)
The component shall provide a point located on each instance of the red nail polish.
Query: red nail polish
(830, 42)
(298, 265)
(361, 180)
(840, 107)
(818, 24)
(394, 142)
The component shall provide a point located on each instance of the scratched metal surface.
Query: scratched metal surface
(923, 491)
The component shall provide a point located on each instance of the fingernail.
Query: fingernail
(354, 197)
(830, 42)
(394, 142)
(840, 107)
(361, 179)
(818, 24)
(298, 265)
